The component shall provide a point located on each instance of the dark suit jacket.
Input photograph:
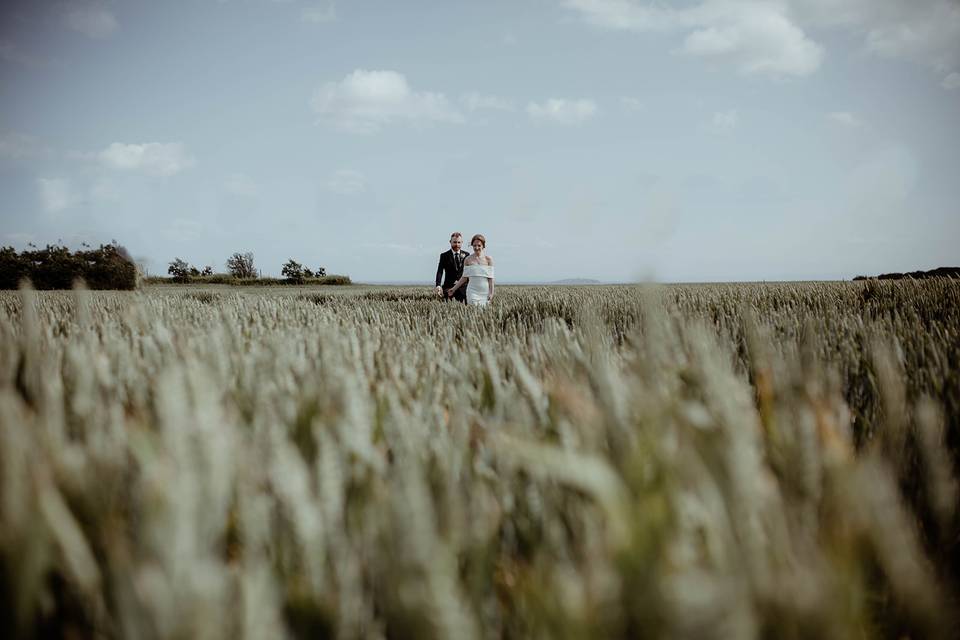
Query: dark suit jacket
(448, 273)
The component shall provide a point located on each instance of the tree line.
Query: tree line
(241, 270)
(110, 266)
(940, 272)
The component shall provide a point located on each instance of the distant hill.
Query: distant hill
(942, 272)
(575, 281)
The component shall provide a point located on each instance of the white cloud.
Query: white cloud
(725, 121)
(241, 185)
(154, 158)
(562, 111)
(631, 103)
(365, 101)
(756, 36)
(936, 44)
(346, 182)
(924, 31)
(477, 101)
(770, 36)
(846, 119)
(951, 82)
(624, 14)
(56, 194)
(92, 19)
(757, 41)
(319, 14)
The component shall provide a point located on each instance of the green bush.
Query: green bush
(179, 270)
(56, 267)
(13, 268)
(294, 272)
(241, 265)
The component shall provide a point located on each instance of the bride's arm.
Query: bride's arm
(459, 283)
(462, 281)
(490, 280)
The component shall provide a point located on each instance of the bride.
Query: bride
(477, 274)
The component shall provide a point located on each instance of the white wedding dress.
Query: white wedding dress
(478, 285)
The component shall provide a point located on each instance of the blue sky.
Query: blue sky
(688, 141)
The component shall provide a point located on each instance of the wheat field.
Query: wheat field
(688, 461)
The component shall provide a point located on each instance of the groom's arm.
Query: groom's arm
(440, 270)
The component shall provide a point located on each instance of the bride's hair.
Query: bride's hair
(479, 237)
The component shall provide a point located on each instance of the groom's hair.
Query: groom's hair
(456, 234)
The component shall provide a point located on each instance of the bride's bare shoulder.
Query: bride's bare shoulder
(489, 261)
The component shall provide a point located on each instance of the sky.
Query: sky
(619, 140)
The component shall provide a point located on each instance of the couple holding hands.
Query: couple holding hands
(458, 268)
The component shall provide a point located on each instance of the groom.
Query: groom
(450, 268)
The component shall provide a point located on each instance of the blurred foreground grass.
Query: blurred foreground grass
(711, 461)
